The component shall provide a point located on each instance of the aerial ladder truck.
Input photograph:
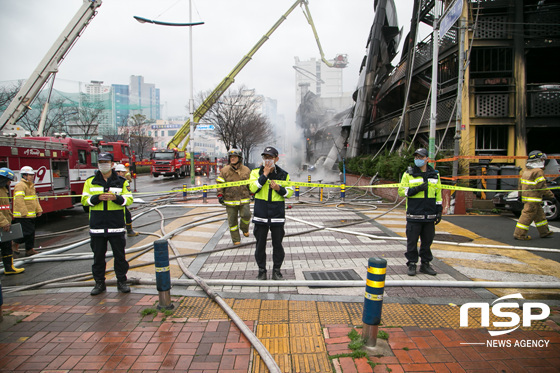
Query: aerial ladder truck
(48, 67)
(183, 134)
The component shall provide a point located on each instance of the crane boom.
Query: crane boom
(184, 132)
(49, 64)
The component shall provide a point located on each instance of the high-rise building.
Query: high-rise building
(120, 104)
(144, 98)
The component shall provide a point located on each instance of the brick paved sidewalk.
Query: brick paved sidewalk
(113, 332)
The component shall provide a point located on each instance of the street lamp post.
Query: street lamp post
(191, 93)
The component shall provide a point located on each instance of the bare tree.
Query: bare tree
(136, 134)
(59, 113)
(237, 122)
(254, 131)
(86, 115)
(8, 92)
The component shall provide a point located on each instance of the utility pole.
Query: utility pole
(191, 96)
(459, 113)
(435, 63)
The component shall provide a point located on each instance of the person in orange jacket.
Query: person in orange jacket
(533, 190)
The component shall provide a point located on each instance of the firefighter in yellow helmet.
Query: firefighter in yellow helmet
(533, 189)
(26, 209)
(237, 199)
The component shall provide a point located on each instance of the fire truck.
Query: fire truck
(62, 165)
(168, 162)
(120, 150)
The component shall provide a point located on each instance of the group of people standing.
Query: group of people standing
(107, 195)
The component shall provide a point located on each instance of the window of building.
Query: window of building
(491, 62)
(171, 132)
(491, 139)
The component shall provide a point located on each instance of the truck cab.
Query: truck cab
(168, 162)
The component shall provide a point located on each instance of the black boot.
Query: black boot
(130, 232)
(411, 269)
(277, 275)
(123, 287)
(9, 268)
(98, 289)
(427, 269)
(262, 274)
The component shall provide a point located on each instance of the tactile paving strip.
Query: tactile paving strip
(394, 314)
(328, 313)
(332, 313)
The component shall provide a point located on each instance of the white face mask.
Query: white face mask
(268, 162)
(104, 167)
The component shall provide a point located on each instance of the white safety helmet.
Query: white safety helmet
(120, 168)
(27, 170)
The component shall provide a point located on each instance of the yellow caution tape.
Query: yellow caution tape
(162, 269)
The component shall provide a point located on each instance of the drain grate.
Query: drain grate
(337, 275)
(451, 238)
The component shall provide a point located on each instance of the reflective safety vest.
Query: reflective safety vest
(269, 204)
(532, 179)
(26, 204)
(425, 205)
(106, 217)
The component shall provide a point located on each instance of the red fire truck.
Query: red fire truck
(120, 150)
(62, 165)
(168, 162)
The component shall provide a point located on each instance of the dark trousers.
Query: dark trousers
(99, 248)
(6, 248)
(260, 231)
(28, 229)
(424, 231)
(127, 215)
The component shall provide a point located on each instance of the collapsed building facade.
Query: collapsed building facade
(507, 103)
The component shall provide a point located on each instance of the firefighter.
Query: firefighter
(423, 211)
(6, 177)
(26, 209)
(533, 187)
(123, 172)
(237, 199)
(106, 194)
(269, 211)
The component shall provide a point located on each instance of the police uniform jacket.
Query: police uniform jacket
(236, 195)
(26, 204)
(5, 213)
(532, 179)
(269, 204)
(425, 205)
(106, 217)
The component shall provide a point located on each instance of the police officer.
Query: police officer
(6, 177)
(122, 171)
(106, 194)
(237, 199)
(533, 187)
(26, 209)
(422, 189)
(269, 211)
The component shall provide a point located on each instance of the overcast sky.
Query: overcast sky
(115, 46)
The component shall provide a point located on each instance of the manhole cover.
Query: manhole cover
(338, 275)
(451, 238)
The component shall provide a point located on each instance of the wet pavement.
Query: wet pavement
(305, 329)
